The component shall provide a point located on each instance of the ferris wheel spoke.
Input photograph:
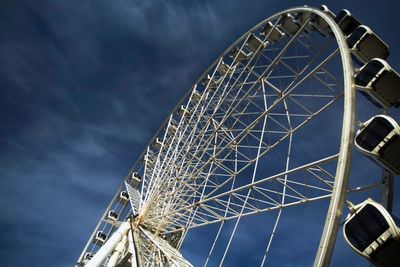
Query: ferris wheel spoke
(234, 214)
(158, 177)
(271, 237)
(298, 126)
(285, 183)
(287, 134)
(219, 100)
(175, 153)
(245, 200)
(266, 112)
(309, 117)
(276, 60)
(214, 243)
(218, 203)
(324, 71)
(172, 255)
(216, 189)
(311, 55)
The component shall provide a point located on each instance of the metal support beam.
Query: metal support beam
(112, 262)
(387, 188)
(134, 259)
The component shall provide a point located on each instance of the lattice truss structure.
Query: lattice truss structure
(227, 150)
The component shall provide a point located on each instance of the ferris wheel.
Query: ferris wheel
(265, 132)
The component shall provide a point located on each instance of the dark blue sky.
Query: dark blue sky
(85, 84)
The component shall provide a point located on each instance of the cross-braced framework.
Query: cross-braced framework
(268, 126)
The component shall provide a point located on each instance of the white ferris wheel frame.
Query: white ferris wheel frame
(337, 198)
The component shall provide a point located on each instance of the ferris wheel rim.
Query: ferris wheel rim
(334, 212)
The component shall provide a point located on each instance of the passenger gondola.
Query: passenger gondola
(273, 34)
(373, 233)
(347, 22)
(255, 44)
(123, 197)
(320, 24)
(135, 179)
(158, 143)
(239, 55)
(183, 111)
(172, 126)
(112, 215)
(210, 82)
(379, 139)
(305, 17)
(100, 238)
(196, 96)
(366, 45)
(223, 68)
(86, 258)
(288, 24)
(379, 83)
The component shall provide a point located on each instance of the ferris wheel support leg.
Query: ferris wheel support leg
(110, 245)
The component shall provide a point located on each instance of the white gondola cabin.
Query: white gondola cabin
(136, 179)
(196, 96)
(379, 139)
(223, 68)
(183, 111)
(100, 237)
(366, 45)
(255, 44)
(210, 82)
(239, 55)
(347, 22)
(273, 34)
(123, 197)
(305, 17)
(379, 83)
(320, 24)
(158, 143)
(288, 24)
(112, 215)
(172, 126)
(373, 233)
(86, 258)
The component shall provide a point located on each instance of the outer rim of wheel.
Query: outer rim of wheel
(329, 234)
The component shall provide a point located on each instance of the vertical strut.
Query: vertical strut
(387, 188)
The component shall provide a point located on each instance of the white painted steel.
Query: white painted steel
(119, 249)
(132, 249)
(331, 227)
(109, 246)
